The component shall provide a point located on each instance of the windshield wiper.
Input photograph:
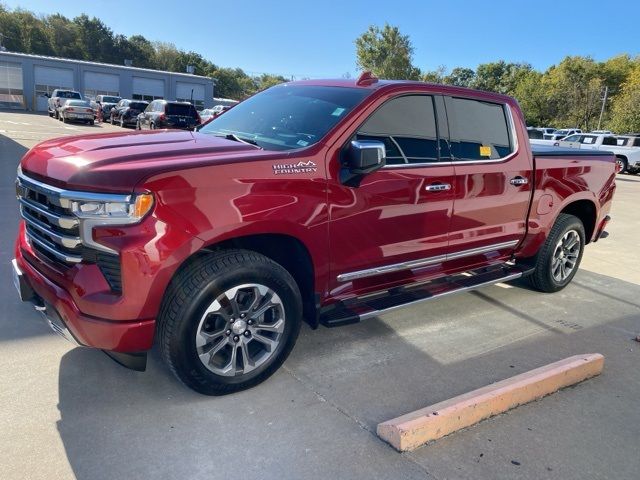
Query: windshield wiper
(236, 138)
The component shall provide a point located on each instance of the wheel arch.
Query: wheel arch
(286, 250)
(586, 211)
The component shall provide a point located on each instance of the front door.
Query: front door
(493, 181)
(394, 225)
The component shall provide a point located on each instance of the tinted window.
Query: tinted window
(181, 109)
(63, 94)
(137, 105)
(478, 130)
(534, 134)
(407, 127)
(636, 142)
(285, 117)
(609, 141)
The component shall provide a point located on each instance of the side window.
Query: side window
(150, 107)
(572, 138)
(588, 139)
(636, 142)
(609, 141)
(478, 130)
(407, 127)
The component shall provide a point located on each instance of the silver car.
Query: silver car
(76, 111)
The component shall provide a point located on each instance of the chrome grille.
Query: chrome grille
(51, 227)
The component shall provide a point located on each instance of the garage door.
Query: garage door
(147, 88)
(183, 93)
(96, 83)
(47, 79)
(11, 94)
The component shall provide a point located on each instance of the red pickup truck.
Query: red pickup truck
(329, 201)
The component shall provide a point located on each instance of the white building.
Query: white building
(24, 79)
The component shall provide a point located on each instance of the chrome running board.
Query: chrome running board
(357, 309)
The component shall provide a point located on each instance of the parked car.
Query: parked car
(627, 158)
(560, 134)
(126, 112)
(107, 102)
(309, 201)
(206, 114)
(547, 130)
(58, 97)
(76, 111)
(166, 114)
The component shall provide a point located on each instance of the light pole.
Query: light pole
(604, 101)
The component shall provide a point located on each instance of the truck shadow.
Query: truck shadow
(117, 422)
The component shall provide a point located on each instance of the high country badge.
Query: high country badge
(291, 168)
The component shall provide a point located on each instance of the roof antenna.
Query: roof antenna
(366, 78)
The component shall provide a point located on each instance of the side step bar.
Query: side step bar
(357, 309)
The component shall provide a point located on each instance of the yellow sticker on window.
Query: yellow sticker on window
(485, 151)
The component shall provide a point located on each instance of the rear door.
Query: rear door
(493, 181)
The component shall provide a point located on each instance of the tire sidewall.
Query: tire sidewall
(183, 348)
(571, 223)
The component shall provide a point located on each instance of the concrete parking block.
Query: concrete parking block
(414, 429)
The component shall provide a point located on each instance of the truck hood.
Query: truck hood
(116, 163)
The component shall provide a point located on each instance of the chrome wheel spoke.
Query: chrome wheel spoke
(267, 342)
(247, 361)
(277, 327)
(208, 350)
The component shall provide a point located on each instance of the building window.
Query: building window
(146, 98)
(199, 104)
(92, 94)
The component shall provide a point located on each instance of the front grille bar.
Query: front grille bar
(59, 220)
(65, 241)
(50, 248)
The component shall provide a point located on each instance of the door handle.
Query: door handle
(518, 181)
(438, 187)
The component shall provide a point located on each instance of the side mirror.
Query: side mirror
(365, 156)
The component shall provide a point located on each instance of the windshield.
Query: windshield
(287, 116)
(106, 99)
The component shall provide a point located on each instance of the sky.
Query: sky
(316, 39)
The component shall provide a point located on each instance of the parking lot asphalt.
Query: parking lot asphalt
(73, 413)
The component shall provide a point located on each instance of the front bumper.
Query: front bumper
(64, 317)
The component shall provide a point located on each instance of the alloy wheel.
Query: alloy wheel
(565, 256)
(240, 330)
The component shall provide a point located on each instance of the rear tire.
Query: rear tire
(559, 258)
(209, 327)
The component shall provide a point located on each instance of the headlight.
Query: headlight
(108, 210)
(126, 211)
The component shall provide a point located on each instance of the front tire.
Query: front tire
(229, 321)
(559, 258)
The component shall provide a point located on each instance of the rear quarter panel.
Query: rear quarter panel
(560, 181)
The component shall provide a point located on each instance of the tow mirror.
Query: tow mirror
(365, 156)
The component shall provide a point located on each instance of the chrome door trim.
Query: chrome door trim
(424, 262)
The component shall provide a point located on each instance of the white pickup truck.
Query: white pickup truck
(627, 158)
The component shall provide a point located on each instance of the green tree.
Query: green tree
(95, 39)
(625, 113)
(64, 36)
(386, 53)
(460, 77)
(500, 77)
(265, 81)
(233, 83)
